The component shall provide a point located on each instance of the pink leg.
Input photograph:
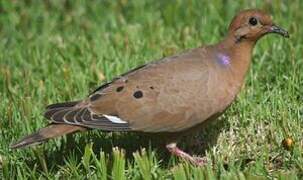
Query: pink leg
(172, 148)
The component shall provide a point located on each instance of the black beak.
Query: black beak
(278, 30)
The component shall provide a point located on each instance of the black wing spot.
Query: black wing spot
(119, 89)
(151, 87)
(138, 94)
(95, 97)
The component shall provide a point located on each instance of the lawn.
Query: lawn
(55, 50)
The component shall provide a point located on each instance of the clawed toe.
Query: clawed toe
(199, 161)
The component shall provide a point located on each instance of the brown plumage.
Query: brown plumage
(173, 95)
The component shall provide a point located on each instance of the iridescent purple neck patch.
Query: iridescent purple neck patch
(223, 59)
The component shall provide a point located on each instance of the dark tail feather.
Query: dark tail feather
(51, 131)
(53, 109)
(62, 105)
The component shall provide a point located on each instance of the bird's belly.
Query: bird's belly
(221, 92)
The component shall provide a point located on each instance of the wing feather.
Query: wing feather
(81, 115)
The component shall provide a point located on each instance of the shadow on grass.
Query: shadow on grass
(74, 145)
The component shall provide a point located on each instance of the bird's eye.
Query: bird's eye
(253, 21)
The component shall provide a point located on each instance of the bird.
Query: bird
(173, 96)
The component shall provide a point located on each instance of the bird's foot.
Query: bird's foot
(198, 161)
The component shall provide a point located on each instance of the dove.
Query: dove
(172, 96)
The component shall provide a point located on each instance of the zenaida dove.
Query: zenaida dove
(172, 96)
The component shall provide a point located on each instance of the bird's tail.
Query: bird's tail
(51, 131)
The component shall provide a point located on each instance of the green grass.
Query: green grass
(52, 51)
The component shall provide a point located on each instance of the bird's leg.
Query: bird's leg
(172, 148)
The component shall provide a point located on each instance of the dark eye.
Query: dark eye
(253, 21)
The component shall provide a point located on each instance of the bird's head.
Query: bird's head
(251, 25)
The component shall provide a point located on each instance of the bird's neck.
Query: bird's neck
(240, 55)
